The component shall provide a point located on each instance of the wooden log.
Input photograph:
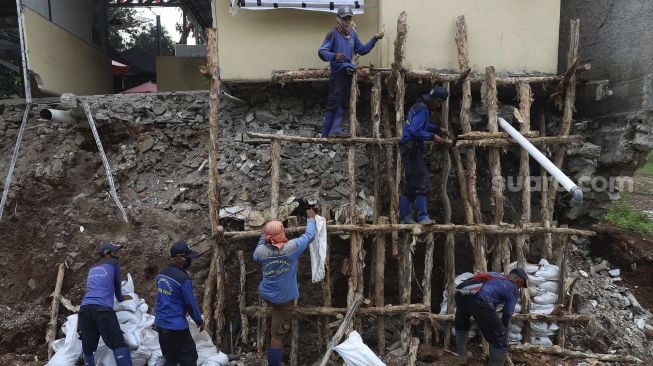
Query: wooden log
(562, 281)
(275, 156)
(412, 351)
(214, 178)
(480, 262)
(51, 333)
(261, 327)
(537, 141)
(570, 318)
(399, 94)
(346, 322)
(399, 52)
(559, 351)
(310, 311)
(435, 76)
(294, 323)
(484, 135)
(406, 283)
(394, 192)
(345, 141)
(379, 285)
(427, 279)
(242, 298)
(209, 290)
(376, 153)
(324, 334)
(545, 210)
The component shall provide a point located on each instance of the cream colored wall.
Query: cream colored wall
(254, 43)
(516, 36)
(180, 73)
(63, 62)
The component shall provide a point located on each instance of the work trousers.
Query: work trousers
(415, 175)
(339, 90)
(485, 315)
(178, 347)
(96, 321)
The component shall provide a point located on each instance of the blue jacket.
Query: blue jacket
(500, 291)
(279, 266)
(417, 126)
(335, 42)
(174, 298)
(103, 283)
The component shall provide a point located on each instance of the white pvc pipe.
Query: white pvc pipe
(55, 115)
(564, 180)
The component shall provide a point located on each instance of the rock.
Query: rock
(146, 145)
(342, 190)
(583, 273)
(186, 207)
(615, 272)
(250, 117)
(264, 116)
(159, 109)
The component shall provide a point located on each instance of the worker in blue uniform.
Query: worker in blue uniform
(417, 130)
(96, 315)
(279, 258)
(338, 48)
(175, 299)
(479, 297)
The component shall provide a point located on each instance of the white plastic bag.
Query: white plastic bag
(549, 272)
(542, 341)
(546, 298)
(551, 286)
(70, 350)
(356, 353)
(318, 250)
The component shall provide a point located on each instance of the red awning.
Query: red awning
(148, 87)
(118, 69)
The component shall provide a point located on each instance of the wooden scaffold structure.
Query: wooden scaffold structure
(386, 227)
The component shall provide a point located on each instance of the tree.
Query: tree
(10, 86)
(148, 42)
(127, 30)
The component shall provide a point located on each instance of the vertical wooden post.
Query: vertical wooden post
(394, 191)
(275, 157)
(326, 284)
(449, 250)
(214, 178)
(480, 262)
(379, 286)
(426, 281)
(406, 282)
(546, 212)
(294, 324)
(207, 300)
(242, 297)
(562, 288)
(51, 333)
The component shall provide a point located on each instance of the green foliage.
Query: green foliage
(10, 85)
(648, 167)
(127, 30)
(625, 217)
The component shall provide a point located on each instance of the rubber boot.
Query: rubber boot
(422, 214)
(497, 357)
(89, 360)
(123, 356)
(274, 356)
(327, 123)
(336, 126)
(405, 211)
(461, 346)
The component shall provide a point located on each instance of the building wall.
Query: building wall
(515, 36)
(63, 62)
(180, 73)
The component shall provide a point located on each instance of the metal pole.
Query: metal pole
(23, 51)
(158, 35)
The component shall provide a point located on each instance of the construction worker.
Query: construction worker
(338, 48)
(96, 315)
(479, 297)
(278, 258)
(418, 129)
(175, 299)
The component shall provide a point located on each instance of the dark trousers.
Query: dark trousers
(178, 347)
(412, 157)
(485, 316)
(339, 90)
(96, 321)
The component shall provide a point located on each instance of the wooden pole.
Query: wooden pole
(412, 351)
(242, 297)
(275, 156)
(394, 191)
(558, 351)
(399, 94)
(294, 324)
(545, 210)
(326, 284)
(209, 290)
(346, 322)
(379, 285)
(562, 290)
(406, 283)
(537, 141)
(480, 262)
(51, 333)
(214, 178)
(426, 281)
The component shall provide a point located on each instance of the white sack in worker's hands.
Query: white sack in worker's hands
(68, 350)
(357, 353)
(318, 250)
(207, 353)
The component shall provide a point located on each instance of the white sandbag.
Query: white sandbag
(530, 268)
(550, 272)
(551, 286)
(128, 285)
(129, 305)
(546, 298)
(357, 353)
(536, 306)
(534, 281)
(140, 356)
(517, 308)
(541, 341)
(104, 356)
(156, 358)
(132, 336)
(514, 337)
(542, 329)
(514, 328)
(543, 262)
(542, 311)
(70, 350)
(207, 353)
(318, 250)
(462, 278)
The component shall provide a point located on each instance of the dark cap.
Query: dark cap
(436, 94)
(345, 11)
(108, 247)
(521, 274)
(182, 249)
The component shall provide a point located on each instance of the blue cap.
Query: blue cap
(436, 94)
(521, 274)
(108, 247)
(182, 249)
(345, 11)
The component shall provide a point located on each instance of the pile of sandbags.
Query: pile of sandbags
(136, 325)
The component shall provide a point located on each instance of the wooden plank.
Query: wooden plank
(242, 297)
(392, 186)
(275, 157)
(51, 333)
(209, 290)
(346, 322)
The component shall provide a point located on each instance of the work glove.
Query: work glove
(340, 56)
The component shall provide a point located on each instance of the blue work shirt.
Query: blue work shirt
(500, 291)
(417, 126)
(174, 298)
(335, 42)
(279, 266)
(103, 283)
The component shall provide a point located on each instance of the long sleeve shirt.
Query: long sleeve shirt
(175, 299)
(103, 283)
(335, 42)
(417, 126)
(500, 291)
(279, 266)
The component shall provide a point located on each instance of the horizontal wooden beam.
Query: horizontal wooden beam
(572, 318)
(260, 311)
(537, 141)
(349, 140)
(559, 351)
